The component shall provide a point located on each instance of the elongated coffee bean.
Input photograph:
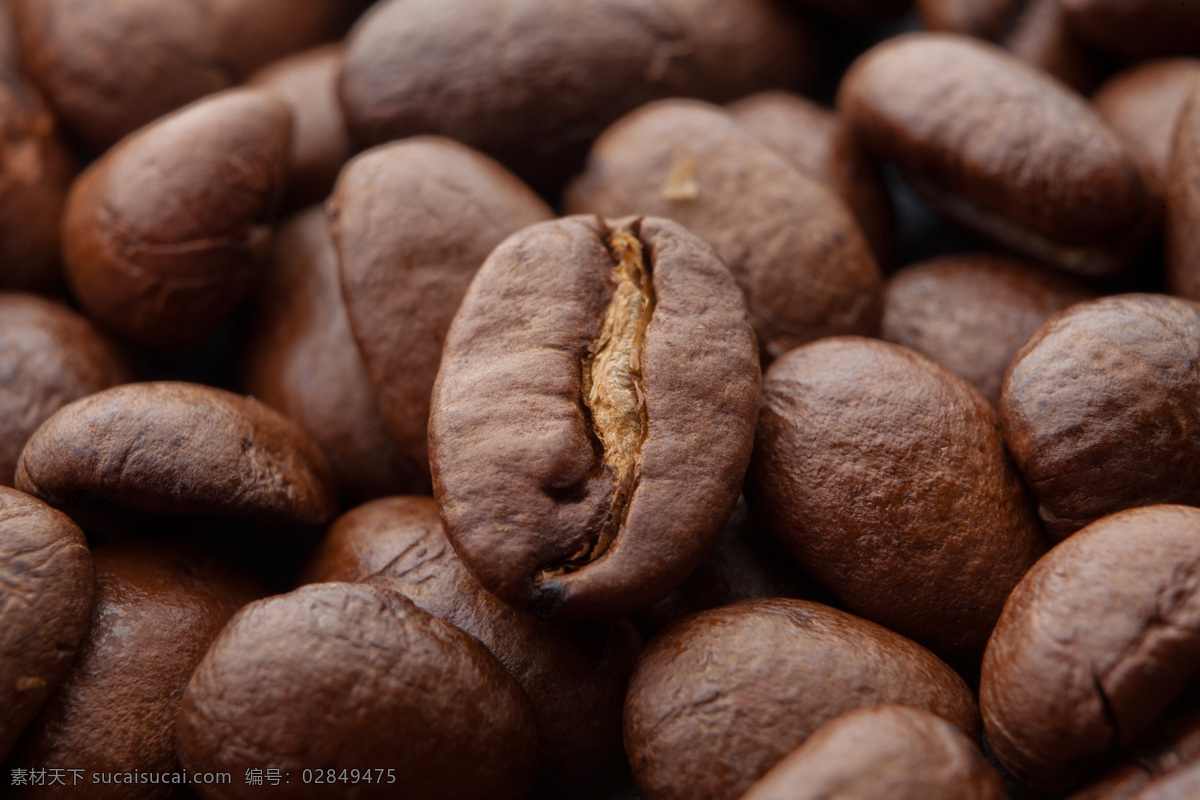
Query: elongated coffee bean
(594, 414)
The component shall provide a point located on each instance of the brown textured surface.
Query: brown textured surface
(413, 221)
(165, 235)
(539, 494)
(1142, 105)
(49, 356)
(972, 313)
(999, 147)
(575, 674)
(47, 586)
(862, 11)
(1173, 744)
(300, 358)
(721, 697)
(791, 244)
(892, 752)
(1096, 642)
(517, 79)
(352, 676)
(321, 144)
(108, 67)
(1137, 29)
(816, 142)
(1100, 410)
(158, 608)
(1182, 225)
(886, 477)
(1182, 784)
(179, 448)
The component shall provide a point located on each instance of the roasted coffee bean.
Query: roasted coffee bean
(972, 313)
(856, 10)
(594, 415)
(1035, 31)
(165, 235)
(892, 752)
(108, 67)
(1142, 105)
(1000, 148)
(1183, 203)
(816, 142)
(178, 448)
(1100, 409)
(886, 477)
(159, 606)
(321, 143)
(341, 676)
(413, 222)
(301, 359)
(1135, 29)
(791, 244)
(1095, 644)
(46, 589)
(1174, 744)
(722, 696)
(532, 82)
(49, 356)
(575, 674)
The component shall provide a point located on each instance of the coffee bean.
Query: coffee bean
(1183, 202)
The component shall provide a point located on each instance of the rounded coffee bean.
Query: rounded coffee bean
(892, 752)
(1096, 642)
(165, 236)
(517, 79)
(300, 358)
(793, 247)
(594, 414)
(159, 606)
(340, 676)
(985, 136)
(1183, 203)
(971, 314)
(722, 696)
(816, 142)
(575, 674)
(413, 221)
(45, 606)
(886, 477)
(49, 356)
(1136, 29)
(179, 448)
(108, 67)
(1101, 409)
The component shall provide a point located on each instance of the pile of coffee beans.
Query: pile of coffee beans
(601, 399)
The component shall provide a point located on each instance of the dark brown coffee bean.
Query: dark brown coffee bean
(594, 415)
(37, 171)
(1035, 31)
(1142, 105)
(892, 752)
(886, 477)
(321, 144)
(49, 356)
(413, 222)
(179, 448)
(158, 608)
(108, 67)
(575, 674)
(47, 586)
(165, 235)
(792, 245)
(1183, 203)
(985, 136)
(971, 314)
(1174, 744)
(517, 79)
(721, 697)
(341, 676)
(1096, 642)
(1137, 29)
(816, 142)
(301, 359)
(1100, 409)
(856, 10)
